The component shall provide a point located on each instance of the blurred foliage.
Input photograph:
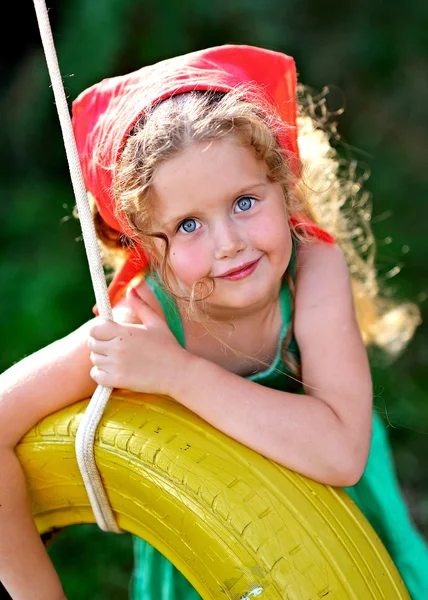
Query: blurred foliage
(374, 56)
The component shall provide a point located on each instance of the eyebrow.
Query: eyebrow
(243, 190)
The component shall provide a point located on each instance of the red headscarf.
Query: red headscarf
(104, 115)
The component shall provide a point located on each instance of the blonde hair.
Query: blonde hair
(343, 208)
(327, 192)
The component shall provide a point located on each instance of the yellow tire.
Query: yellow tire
(235, 524)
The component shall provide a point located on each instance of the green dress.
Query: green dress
(377, 493)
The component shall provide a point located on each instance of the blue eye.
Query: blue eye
(245, 203)
(189, 226)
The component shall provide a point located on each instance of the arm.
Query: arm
(42, 383)
(324, 434)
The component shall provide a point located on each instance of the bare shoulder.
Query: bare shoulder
(334, 361)
(322, 276)
(334, 358)
(324, 305)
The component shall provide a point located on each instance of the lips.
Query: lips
(242, 271)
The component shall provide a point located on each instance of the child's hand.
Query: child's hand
(137, 357)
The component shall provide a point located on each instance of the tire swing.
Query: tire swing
(237, 525)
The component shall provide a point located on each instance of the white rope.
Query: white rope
(87, 428)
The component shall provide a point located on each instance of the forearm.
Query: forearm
(43, 383)
(25, 568)
(300, 432)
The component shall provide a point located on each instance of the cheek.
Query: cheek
(272, 235)
(189, 263)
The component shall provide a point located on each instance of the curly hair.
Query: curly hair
(327, 191)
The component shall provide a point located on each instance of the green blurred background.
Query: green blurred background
(374, 56)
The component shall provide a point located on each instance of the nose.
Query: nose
(229, 240)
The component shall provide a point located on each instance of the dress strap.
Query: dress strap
(169, 306)
(285, 302)
(292, 264)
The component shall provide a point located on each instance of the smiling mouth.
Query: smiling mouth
(241, 272)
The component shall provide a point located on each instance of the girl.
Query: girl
(231, 298)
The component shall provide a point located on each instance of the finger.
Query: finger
(99, 346)
(100, 376)
(104, 330)
(99, 360)
(142, 310)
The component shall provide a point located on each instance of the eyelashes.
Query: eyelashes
(190, 225)
(245, 203)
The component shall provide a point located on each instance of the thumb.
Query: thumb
(140, 308)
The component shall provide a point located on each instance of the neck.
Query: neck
(231, 323)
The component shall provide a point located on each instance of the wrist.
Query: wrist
(181, 373)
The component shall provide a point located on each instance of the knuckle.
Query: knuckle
(95, 324)
(118, 345)
(101, 328)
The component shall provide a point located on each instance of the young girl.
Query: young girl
(231, 297)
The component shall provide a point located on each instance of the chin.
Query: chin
(240, 297)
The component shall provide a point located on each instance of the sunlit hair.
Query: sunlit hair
(343, 207)
(327, 191)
